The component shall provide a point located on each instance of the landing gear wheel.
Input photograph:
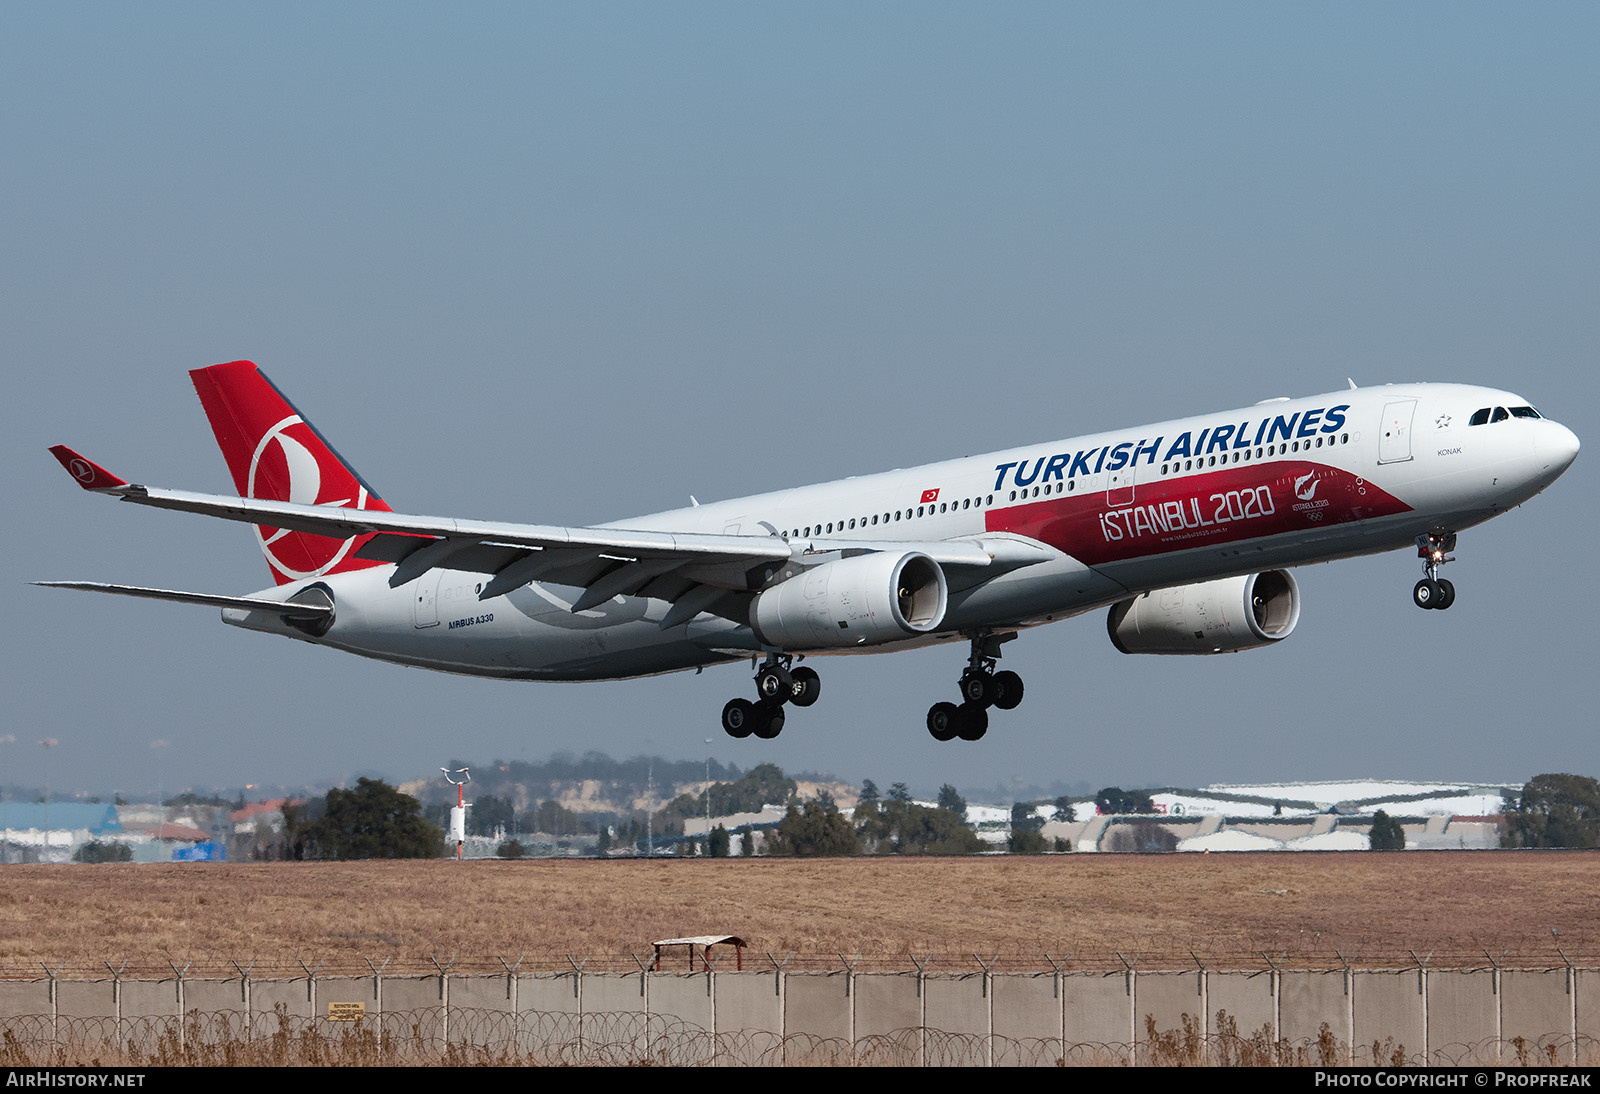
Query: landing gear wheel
(774, 682)
(806, 688)
(739, 718)
(1447, 594)
(974, 722)
(1008, 690)
(1427, 593)
(1434, 549)
(944, 721)
(978, 689)
(768, 719)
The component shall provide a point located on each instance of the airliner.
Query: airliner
(1184, 532)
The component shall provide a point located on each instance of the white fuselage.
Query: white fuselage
(1280, 484)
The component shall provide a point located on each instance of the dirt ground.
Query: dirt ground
(1161, 911)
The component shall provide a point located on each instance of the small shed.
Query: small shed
(705, 942)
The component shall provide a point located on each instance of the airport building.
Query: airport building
(1315, 816)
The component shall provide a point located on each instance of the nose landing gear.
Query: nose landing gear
(1434, 591)
(981, 688)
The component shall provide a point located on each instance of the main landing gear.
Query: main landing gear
(981, 688)
(1434, 591)
(776, 684)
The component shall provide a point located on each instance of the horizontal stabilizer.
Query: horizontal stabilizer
(245, 603)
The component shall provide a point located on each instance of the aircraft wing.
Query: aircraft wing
(690, 569)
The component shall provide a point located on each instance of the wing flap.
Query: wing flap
(699, 598)
(530, 567)
(627, 578)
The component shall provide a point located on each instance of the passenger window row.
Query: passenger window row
(856, 523)
(1244, 455)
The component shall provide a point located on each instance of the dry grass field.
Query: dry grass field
(1303, 909)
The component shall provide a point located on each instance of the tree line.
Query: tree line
(1555, 810)
(374, 820)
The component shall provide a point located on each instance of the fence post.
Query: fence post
(1499, 1004)
(1572, 1000)
(1128, 986)
(116, 1001)
(783, 1002)
(377, 995)
(55, 1016)
(1202, 989)
(850, 1007)
(922, 1008)
(444, 996)
(577, 993)
(511, 979)
(1422, 990)
(1058, 990)
(514, 995)
(1349, 1005)
(244, 997)
(311, 989)
(711, 994)
(988, 999)
(1275, 991)
(183, 1012)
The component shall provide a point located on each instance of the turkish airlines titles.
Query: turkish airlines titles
(1222, 438)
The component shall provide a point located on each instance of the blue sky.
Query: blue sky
(568, 263)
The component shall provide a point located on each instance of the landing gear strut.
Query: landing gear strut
(981, 688)
(1434, 591)
(776, 684)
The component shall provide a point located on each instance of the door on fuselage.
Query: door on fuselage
(1119, 487)
(425, 605)
(1394, 439)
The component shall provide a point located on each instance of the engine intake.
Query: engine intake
(860, 601)
(1223, 616)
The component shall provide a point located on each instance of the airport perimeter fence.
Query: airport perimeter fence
(860, 1011)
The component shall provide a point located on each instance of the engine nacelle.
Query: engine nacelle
(1233, 613)
(860, 601)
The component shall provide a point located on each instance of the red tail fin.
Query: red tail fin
(275, 454)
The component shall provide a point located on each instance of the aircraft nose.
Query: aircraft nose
(1557, 446)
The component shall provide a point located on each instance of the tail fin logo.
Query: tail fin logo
(274, 454)
(284, 468)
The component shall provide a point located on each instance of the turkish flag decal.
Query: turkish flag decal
(929, 495)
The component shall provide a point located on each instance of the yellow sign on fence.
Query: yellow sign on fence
(346, 1012)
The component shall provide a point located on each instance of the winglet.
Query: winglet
(90, 475)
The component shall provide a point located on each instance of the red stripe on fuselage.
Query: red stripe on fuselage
(1178, 513)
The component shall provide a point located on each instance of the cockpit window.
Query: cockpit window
(1501, 414)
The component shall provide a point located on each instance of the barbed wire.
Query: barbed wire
(471, 1036)
(1161, 956)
